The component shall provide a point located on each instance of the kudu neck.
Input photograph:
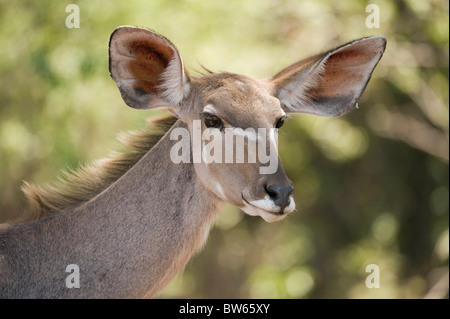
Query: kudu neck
(166, 205)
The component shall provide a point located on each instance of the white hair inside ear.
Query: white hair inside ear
(329, 84)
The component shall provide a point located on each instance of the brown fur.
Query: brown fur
(76, 187)
(133, 220)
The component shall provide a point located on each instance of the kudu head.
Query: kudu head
(149, 73)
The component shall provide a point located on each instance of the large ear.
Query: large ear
(147, 68)
(329, 84)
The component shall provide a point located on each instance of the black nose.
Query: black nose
(279, 194)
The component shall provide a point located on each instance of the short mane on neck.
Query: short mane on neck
(76, 187)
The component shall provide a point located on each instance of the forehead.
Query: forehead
(241, 101)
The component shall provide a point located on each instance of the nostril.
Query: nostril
(272, 192)
(279, 194)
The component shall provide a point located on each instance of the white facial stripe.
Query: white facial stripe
(220, 190)
(210, 109)
(250, 134)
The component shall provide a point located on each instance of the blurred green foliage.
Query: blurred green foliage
(371, 187)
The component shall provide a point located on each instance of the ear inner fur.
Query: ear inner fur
(147, 68)
(329, 84)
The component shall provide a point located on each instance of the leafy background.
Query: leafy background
(371, 187)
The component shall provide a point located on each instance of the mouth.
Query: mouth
(276, 212)
(267, 209)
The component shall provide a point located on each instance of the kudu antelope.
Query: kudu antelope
(130, 222)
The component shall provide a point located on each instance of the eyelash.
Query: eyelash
(282, 119)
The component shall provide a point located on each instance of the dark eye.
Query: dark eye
(280, 122)
(212, 121)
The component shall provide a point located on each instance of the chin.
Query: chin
(268, 216)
